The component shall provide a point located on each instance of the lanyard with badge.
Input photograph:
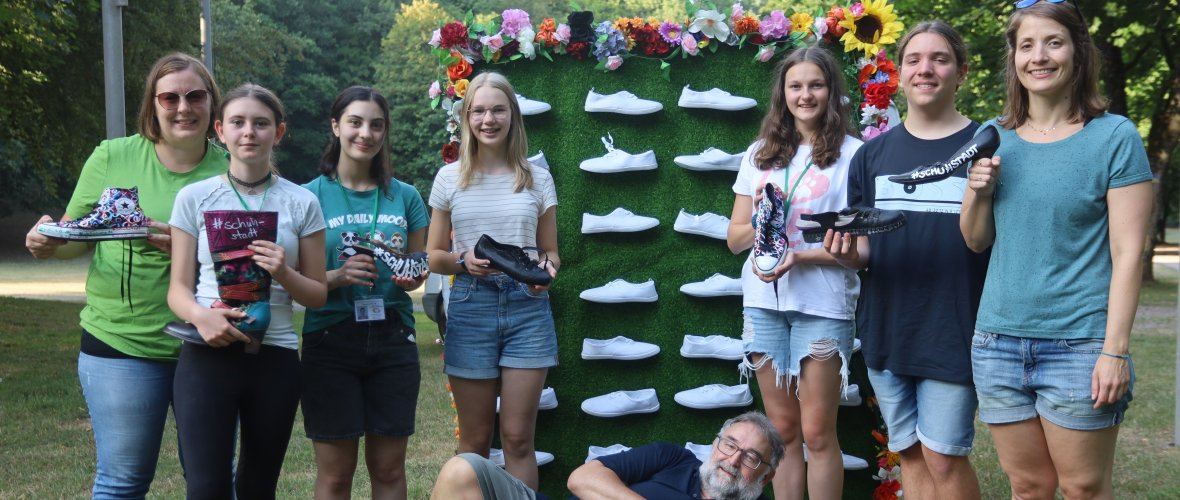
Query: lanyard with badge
(367, 306)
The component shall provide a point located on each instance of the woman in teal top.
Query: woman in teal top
(126, 363)
(1064, 205)
(360, 358)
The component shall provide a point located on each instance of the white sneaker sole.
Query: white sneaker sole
(652, 409)
(627, 357)
(711, 406)
(621, 300)
(698, 355)
(80, 234)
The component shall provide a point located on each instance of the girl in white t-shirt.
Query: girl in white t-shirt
(500, 332)
(798, 319)
(231, 380)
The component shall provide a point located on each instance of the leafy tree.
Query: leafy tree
(249, 46)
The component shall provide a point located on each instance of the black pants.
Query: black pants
(214, 389)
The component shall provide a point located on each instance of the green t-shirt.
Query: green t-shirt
(399, 213)
(130, 318)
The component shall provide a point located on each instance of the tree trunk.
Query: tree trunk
(1161, 142)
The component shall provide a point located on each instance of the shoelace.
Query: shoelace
(609, 142)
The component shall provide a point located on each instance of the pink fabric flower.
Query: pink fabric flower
(494, 42)
(435, 38)
(613, 62)
(737, 12)
(765, 53)
(434, 91)
(514, 21)
(690, 44)
(562, 33)
(774, 26)
(857, 9)
(671, 32)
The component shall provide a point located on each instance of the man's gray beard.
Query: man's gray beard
(717, 487)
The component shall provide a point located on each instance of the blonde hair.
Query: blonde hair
(518, 142)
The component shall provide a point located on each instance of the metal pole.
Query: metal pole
(207, 34)
(1176, 397)
(112, 60)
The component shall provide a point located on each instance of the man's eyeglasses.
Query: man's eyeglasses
(171, 100)
(750, 459)
(497, 112)
(1020, 4)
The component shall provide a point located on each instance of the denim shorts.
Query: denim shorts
(1021, 378)
(938, 413)
(786, 337)
(496, 322)
(360, 378)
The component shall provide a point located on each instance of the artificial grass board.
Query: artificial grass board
(567, 135)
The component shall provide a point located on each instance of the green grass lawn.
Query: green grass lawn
(46, 450)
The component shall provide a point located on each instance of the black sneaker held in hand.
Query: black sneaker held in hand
(983, 145)
(855, 221)
(514, 261)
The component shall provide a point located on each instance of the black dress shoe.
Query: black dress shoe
(512, 260)
(983, 145)
(855, 221)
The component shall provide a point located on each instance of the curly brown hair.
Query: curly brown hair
(781, 137)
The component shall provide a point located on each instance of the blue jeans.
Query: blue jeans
(786, 337)
(496, 322)
(128, 401)
(938, 413)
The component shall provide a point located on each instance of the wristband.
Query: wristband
(1126, 356)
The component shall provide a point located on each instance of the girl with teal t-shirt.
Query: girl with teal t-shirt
(360, 365)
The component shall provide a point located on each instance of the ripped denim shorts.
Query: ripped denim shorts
(786, 337)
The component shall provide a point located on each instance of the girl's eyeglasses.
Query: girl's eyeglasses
(1020, 4)
(171, 100)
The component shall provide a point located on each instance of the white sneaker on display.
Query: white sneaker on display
(617, 160)
(714, 99)
(621, 348)
(538, 160)
(702, 451)
(496, 455)
(850, 462)
(621, 403)
(710, 159)
(619, 291)
(707, 224)
(851, 396)
(713, 346)
(598, 451)
(621, 102)
(620, 220)
(548, 400)
(531, 107)
(708, 397)
(717, 285)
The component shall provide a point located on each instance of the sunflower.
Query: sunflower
(876, 27)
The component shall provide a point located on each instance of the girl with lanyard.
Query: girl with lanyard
(493, 190)
(798, 317)
(220, 383)
(360, 366)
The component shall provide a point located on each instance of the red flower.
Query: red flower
(880, 437)
(877, 95)
(887, 491)
(649, 41)
(450, 152)
(835, 31)
(461, 69)
(577, 49)
(453, 35)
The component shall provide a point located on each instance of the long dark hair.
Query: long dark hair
(1085, 100)
(780, 137)
(380, 167)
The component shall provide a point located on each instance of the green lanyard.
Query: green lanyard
(242, 200)
(791, 195)
(347, 203)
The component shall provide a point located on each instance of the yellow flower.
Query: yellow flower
(461, 88)
(801, 23)
(872, 30)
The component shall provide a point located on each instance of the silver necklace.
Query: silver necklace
(1042, 131)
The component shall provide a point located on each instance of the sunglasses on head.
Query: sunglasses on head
(1020, 4)
(171, 100)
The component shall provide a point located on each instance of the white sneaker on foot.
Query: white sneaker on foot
(531, 107)
(714, 99)
(713, 396)
(707, 224)
(619, 291)
(620, 220)
(620, 348)
(621, 403)
(717, 285)
(598, 451)
(713, 346)
(710, 159)
(621, 102)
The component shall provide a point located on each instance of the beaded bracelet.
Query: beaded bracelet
(1126, 356)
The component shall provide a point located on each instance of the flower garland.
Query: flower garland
(888, 462)
(862, 30)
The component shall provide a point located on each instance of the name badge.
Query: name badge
(370, 309)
